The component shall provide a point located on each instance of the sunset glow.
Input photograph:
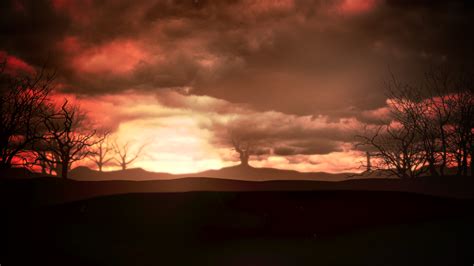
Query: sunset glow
(169, 122)
(181, 77)
(236, 132)
(357, 6)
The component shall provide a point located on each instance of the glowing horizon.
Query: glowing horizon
(301, 78)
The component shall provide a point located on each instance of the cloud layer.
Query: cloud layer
(188, 133)
(299, 76)
(300, 57)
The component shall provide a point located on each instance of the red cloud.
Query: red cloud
(70, 44)
(15, 65)
(117, 57)
(356, 6)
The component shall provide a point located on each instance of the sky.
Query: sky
(300, 78)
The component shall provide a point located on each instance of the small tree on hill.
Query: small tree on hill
(101, 152)
(125, 155)
(245, 148)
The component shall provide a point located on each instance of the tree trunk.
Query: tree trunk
(43, 168)
(369, 164)
(472, 161)
(464, 165)
(432, 167)
(444, 151)
(471, 154)
(402, 173)
(244, 159)
(459, 165)
(5, 165)
(64, 168)
(433, 171)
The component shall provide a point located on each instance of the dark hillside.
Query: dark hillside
(243, 228)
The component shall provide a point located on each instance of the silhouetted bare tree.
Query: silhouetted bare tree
(125, 154)
(22, 99)
(101, 152)
(462, 130)
(409, 107)
(245, 148)
(46, 159)
(69, 140)
(438, 113)
(398, 151)
(435, 124)
(368, 163)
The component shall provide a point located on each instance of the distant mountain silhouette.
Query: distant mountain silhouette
(243, 172)
(48, 190)
(20, 187)
(85, 173)
(238, 172)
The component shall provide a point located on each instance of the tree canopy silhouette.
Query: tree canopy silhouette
(68, 137)
(430, 127)
(23, 98)
(125, 155)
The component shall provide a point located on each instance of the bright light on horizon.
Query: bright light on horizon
(177, 142)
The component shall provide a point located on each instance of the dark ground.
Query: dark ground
(241, 228)
(29, 192)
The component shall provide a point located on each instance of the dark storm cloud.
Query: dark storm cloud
(308, 147)
(270, 132)
(282, 134)
(29, 29)
(298, 57)
(336, 64)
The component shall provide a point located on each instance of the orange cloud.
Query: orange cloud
(116, 57)
(183, 132)
(334, 162)
(356, 6)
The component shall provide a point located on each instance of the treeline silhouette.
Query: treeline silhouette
(38, 133)
(429, 128)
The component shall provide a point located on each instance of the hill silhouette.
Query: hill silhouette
(87, 174)
(52, 190)
(244, 172)
(177, 220)
(238, 172)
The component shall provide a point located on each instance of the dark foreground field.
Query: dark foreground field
(242, 228)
